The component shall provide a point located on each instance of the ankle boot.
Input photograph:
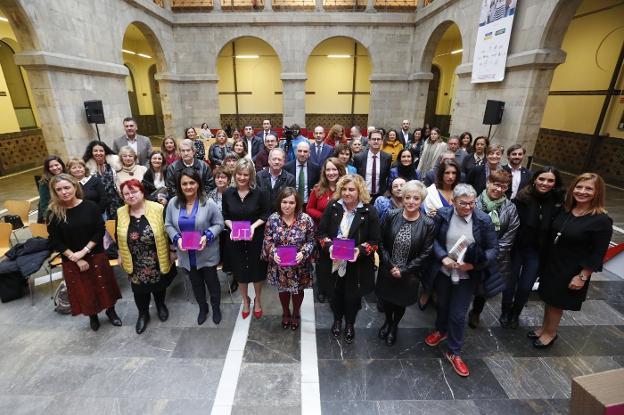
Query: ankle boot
(113, 317)
(94, 322)
(142, 321)
(392, 335)
(216, 314)
(203, 313)
(514, 321)
(505, 317)
(384, 330)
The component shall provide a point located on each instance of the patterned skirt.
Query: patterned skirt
(94, 290)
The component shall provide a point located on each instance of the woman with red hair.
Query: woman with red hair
(336, 136)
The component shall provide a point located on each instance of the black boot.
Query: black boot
(349, 333)
(216, 314)
(234, 285)
(384, 330)
(163, 312)
(142, 321)
(473, 319)
(113, 317)
(94, 322)
(392, 335)
(203, 313)
(336, 327)
(505, 317)
(514, 321)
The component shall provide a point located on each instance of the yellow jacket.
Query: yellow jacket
(154, 215)
(393, 148)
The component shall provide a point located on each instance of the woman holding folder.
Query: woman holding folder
(193, 223)
(288, 245)
(348, 235)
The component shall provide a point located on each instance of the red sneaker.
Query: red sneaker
(435, 338)
(458, 364)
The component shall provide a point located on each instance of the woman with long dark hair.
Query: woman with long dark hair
(323, 191)
(404, 168)
(52, 166)
(155, 178)
(169, 149)
(200, 149)
(104, 163)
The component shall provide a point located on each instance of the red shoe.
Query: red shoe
(257, 314)
(458, 364)
(435, 338)
(244, 313)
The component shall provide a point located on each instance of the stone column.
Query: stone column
(293, 96)
(421, 4)
(524, 91)
(167, 4)
(216, 5)
(60, 84)
(389, 102)
(188, 99)
(417, 99)
(370, 6)
(268, 5)
(319, 6)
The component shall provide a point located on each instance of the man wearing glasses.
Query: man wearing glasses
(464, 255)
(374, 165)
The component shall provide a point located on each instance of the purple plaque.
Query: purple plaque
(288, 255)
(343, 249)
(190, 240)
(241, 230)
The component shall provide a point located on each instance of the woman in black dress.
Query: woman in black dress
(144, 251)
(92, 186)
(349, 216)
(155, 178)
(407, 240)
(76, 230)
(581, 235)
(52, 166)
(246, 202)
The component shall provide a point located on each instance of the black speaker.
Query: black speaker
(95, 112)
(493, 112)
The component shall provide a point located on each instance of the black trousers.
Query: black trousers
(394, 313)
(344, 305)
(478, 304)
(142, 300)
(202, 278)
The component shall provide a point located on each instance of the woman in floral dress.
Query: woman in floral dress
(289, 227)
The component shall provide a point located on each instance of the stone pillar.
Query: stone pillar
(216, 5)
(421, 4)
(319, 6)
(293, 96)
(188, 99)
(268, 5)
(417, 99)
(60, 84)
(524, 91)
(167, 4)
(390, 100)
(370, 6)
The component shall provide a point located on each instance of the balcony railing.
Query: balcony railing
(190, 5)
(292, 5)
(395, 5)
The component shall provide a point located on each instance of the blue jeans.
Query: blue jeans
(524, 268)
(453, 303)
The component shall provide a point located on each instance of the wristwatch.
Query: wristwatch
(583, 277)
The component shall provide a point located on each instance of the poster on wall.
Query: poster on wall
(495, 23)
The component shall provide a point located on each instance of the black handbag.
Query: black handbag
(14, 220)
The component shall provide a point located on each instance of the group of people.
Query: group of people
(404, 214)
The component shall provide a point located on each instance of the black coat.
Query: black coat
(175, 169)
(403, 291)
(150, 187)
(263, 180)
(313, 172)
(360, 160)
(360, 276)
(476, 178)
(94, 190)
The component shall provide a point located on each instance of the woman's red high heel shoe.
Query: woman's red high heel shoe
(257, 314)
(244, 313)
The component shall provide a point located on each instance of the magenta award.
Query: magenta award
(190, 240)
(343, 249)
(288, 255)
(241, 230)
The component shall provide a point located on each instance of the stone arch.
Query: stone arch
(153, 42)
(255, 36)
(314, 43)
(21, 25)
(432, 44)
(558, 22)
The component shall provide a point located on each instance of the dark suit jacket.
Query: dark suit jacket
(285, 179)
(256, 145)
(313, 173)
(326, 152)
(144, 147)
(525, 178)
(401, 138)
(260, 135)
(476, 178)
(359, 162)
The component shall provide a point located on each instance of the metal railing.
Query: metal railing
(294, 5)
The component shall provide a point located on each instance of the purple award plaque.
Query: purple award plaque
(288, 255)
(190, 239)
(241, 230)
(343, 249)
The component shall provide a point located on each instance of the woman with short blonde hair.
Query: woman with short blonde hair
(92, 186)
(130, 169)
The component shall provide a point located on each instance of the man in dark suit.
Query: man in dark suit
(374, 165)
(320, 151)
(520, 176)
(254, 144)
(266, 130)
(303, 166)
(404, 135)
(141, 145)
(273, 179)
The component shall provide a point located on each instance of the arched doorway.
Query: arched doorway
(250, 88)
(443, 55)
(582, 127)
(141, 55)
(338, 85)
(12, 82)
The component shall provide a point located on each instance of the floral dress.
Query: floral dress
(291, 279)
(146, 276)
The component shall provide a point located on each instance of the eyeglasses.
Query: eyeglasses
(466, 204)
(375, 139)
(500, 186)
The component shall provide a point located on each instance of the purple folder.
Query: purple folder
(190, 239)
(241, 230)
(343, 249)
(288, 255)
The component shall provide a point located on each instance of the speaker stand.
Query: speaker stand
(489, 131)
(99, 139)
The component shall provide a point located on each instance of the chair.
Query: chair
(5, 237)
(39, 230)
(20, 208)
(111, 228)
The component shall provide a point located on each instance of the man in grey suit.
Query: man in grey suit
(141, 145)
(453, 146)
(275, 178)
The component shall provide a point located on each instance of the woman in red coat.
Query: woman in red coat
(320, 196)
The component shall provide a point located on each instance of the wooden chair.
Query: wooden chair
(39, 230)
(111, 228)
(5, 237)
(20, 208)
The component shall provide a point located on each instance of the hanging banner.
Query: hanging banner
(490, 56)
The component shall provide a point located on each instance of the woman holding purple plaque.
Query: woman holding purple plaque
(288, 245)
(350, 220)
(245, 210)
(194, 223)
(144, 251)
